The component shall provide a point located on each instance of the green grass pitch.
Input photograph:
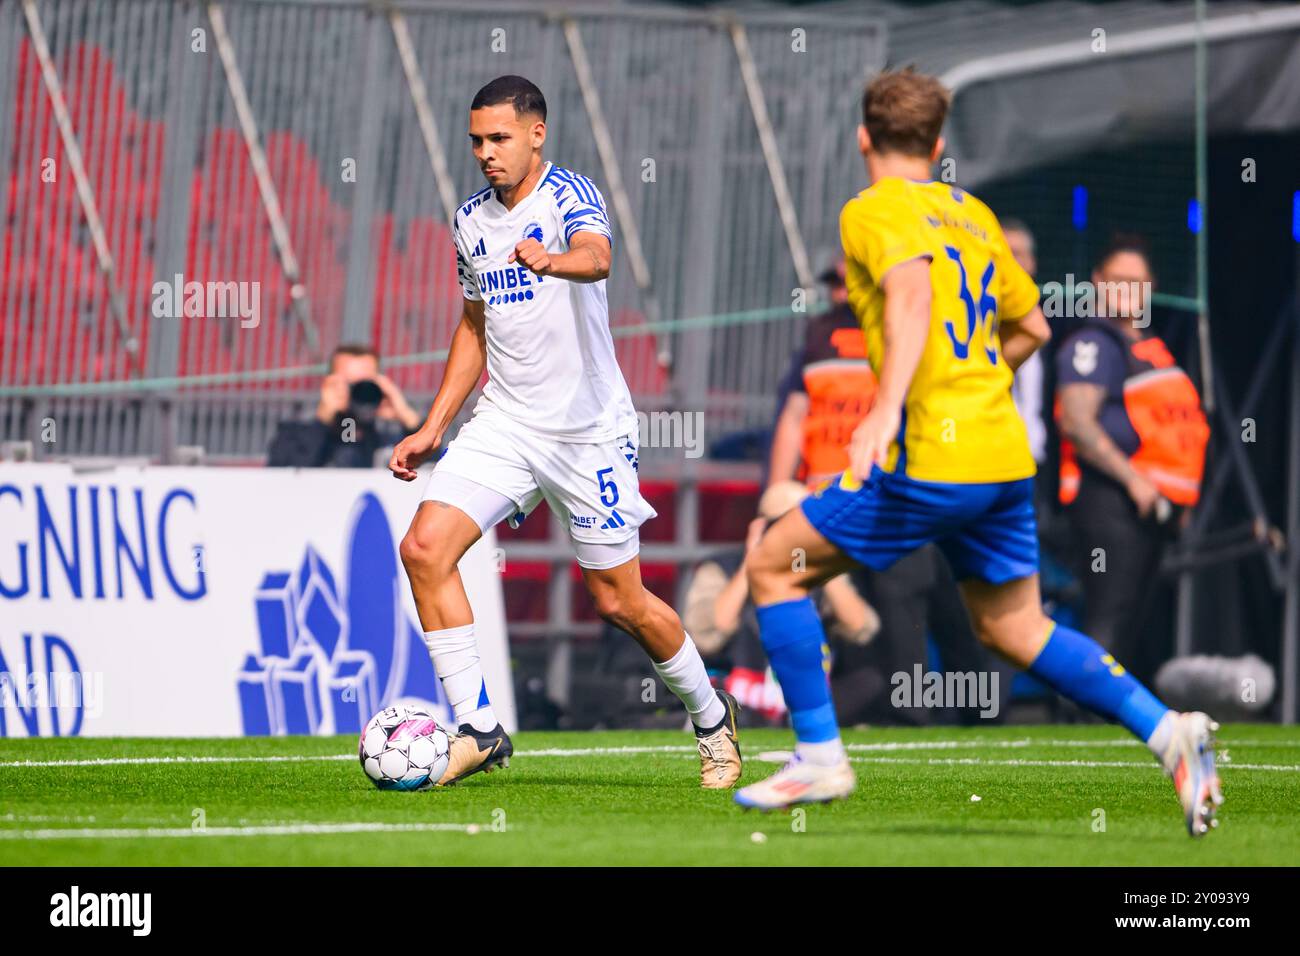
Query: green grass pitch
(631, 797)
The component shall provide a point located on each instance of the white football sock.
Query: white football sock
(686, 677)
(827, 753)
(454, 653)
(1159, 739)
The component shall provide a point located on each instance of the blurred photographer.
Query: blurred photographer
(359, 413)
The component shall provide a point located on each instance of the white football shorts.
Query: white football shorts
(496, 469)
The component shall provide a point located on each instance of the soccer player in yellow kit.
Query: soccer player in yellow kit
(941, 457)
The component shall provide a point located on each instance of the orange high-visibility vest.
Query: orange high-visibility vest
(1164, 409)
(841, 388)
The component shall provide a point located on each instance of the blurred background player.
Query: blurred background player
(555, 422)
(941, 457)
(1133, 439)
(1027, 386)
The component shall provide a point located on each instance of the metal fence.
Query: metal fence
(316, 149)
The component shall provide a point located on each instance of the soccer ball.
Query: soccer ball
(403, 748)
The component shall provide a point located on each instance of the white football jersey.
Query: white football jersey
(550, 356)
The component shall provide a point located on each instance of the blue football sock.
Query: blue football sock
(792, 635)
(1077, 667)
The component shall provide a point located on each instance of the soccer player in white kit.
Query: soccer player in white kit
(555, 422)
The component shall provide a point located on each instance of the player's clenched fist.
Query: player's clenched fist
(412, 452)
(532, 255)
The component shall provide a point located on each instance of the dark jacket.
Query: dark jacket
(313, 444)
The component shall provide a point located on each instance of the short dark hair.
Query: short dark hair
(519, 92)
(1125, 242)
(903, 111)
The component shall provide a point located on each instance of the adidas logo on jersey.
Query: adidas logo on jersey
(480, 250)
(614, 522)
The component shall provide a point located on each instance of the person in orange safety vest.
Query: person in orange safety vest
(830, 390)
(1133, 439)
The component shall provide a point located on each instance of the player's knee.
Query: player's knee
(766, 577)
(621, 610)
(412, 551)
(1015, 637)
(987, 634)
(421, 555)
(990, 629)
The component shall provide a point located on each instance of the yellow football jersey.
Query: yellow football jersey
(959, 422)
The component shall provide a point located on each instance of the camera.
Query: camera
(364, 398)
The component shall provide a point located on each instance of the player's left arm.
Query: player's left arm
(587, 233)
(588, 258)
(1023, 337)
(1022, 328)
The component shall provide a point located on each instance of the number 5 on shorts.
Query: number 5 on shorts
(608, 490)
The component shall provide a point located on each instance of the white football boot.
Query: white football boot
(1189, 760)
(799, 782)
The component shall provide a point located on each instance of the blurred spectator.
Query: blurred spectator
(828, 389)
(1132, 450)
(720, 617)
(1027, 388)
(1030, 388)
(359, 413)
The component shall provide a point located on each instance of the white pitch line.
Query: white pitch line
(129, 833)
(131, 761)
(886, 746)
(606, 751)
(1023, 742)
(117, 761)
(781, 757)
(956, 744)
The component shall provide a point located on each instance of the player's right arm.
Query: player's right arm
(466, 360)
(882, 234)
(906, 328)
